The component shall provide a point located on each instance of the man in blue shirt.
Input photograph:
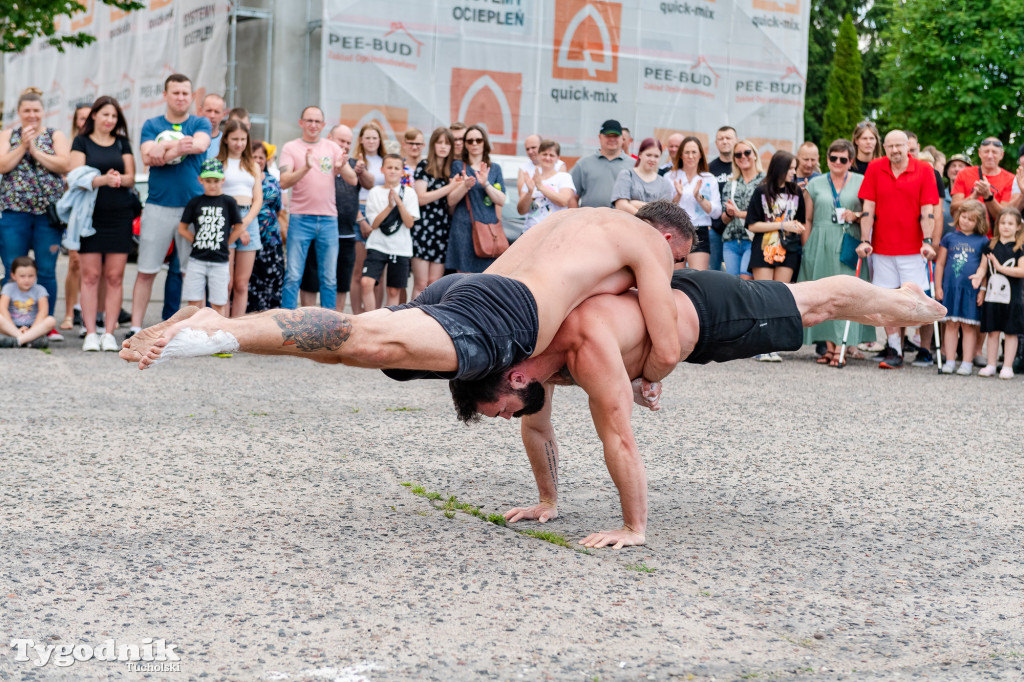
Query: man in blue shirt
(173, 146)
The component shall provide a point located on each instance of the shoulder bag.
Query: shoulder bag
(489, 240)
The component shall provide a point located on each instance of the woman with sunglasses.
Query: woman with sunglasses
(869, 146)
(746, 175)
(834, 209)
(696, 192)
(478, 182)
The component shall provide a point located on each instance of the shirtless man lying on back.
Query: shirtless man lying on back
(603, 344)
(470, 325)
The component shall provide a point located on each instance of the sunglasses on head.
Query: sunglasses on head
(838, 159)
(993, 143)
(745, 152)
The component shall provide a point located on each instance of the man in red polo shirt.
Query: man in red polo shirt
(899, 195)
(987, 182)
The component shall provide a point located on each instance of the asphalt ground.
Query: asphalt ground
(805, 523)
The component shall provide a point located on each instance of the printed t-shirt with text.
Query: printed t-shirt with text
(212, 219)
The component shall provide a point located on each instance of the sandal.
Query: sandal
(835, 360)
(826, 358)
(68, 323)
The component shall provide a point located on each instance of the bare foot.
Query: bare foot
(134, 348)
(924, 308)
(205, 320)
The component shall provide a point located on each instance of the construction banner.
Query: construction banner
(560, 67)
(130, 59)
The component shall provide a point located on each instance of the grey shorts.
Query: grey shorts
(492, 321)
(157, 229)
(739, 318)
(202, 275)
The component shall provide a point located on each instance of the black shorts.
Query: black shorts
(398, 268)
(492, 321)
(791, 261)
(739, 318)
(702, 242)
(346, 262)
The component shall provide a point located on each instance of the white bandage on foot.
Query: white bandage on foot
(191, 343)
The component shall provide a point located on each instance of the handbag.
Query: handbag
(489, 240)
(998, 290)
(54, 219)
(393, 220)
(848, 253)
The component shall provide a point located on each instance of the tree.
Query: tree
(27, 20)
(845, 87)
(826, 17)
(954, 73)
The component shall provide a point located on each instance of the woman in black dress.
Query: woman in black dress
(433, 185)
(103, 144)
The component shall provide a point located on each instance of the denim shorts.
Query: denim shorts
(254, 235)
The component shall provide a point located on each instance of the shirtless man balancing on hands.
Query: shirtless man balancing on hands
(603, 344)
(469, 326)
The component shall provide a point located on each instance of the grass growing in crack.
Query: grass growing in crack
(403, 409)
(547, 536)
(640, 567)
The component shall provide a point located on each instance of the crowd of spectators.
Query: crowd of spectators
(349, 217)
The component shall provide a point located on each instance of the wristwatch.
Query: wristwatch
(927, 240)
(990, 197)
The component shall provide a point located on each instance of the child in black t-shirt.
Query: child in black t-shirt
(210, 221)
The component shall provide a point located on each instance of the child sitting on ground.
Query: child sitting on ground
(24, 308)
(391, 212)
(210, 221)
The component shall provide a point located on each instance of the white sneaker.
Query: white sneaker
(1006, 372)
(92, 342)
(987, 371)
(109, 343)
(774, 357)
(949, 367)
(965, 369)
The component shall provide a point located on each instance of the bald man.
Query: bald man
(898, 225)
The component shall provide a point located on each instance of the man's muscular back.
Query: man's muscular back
(577, 254)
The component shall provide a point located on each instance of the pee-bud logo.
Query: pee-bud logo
(587, 35)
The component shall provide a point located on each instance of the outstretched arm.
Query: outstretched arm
(542, 449)
(653, 272)
(598, 369)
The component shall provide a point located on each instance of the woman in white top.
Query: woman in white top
(641, 184)
(369, 150)
(697, 194)
(243, 180)
(546, 191)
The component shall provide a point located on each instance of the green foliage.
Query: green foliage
(845, 87)
(954, 73)
(24, 21)
(640, 567)
(826, 19)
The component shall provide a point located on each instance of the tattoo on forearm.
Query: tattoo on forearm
(551, 453)
(313, 329)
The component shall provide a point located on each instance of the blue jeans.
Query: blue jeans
(302, 231)
(737, 256)
(716, 250)
(172, 286)
(20, 232)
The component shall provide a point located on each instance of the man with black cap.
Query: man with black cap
(594, 176)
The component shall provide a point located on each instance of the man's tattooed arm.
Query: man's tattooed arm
(313, 329)
(551, 455)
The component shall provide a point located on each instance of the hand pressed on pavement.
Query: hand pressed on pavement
(542, 512)
(624, 537)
